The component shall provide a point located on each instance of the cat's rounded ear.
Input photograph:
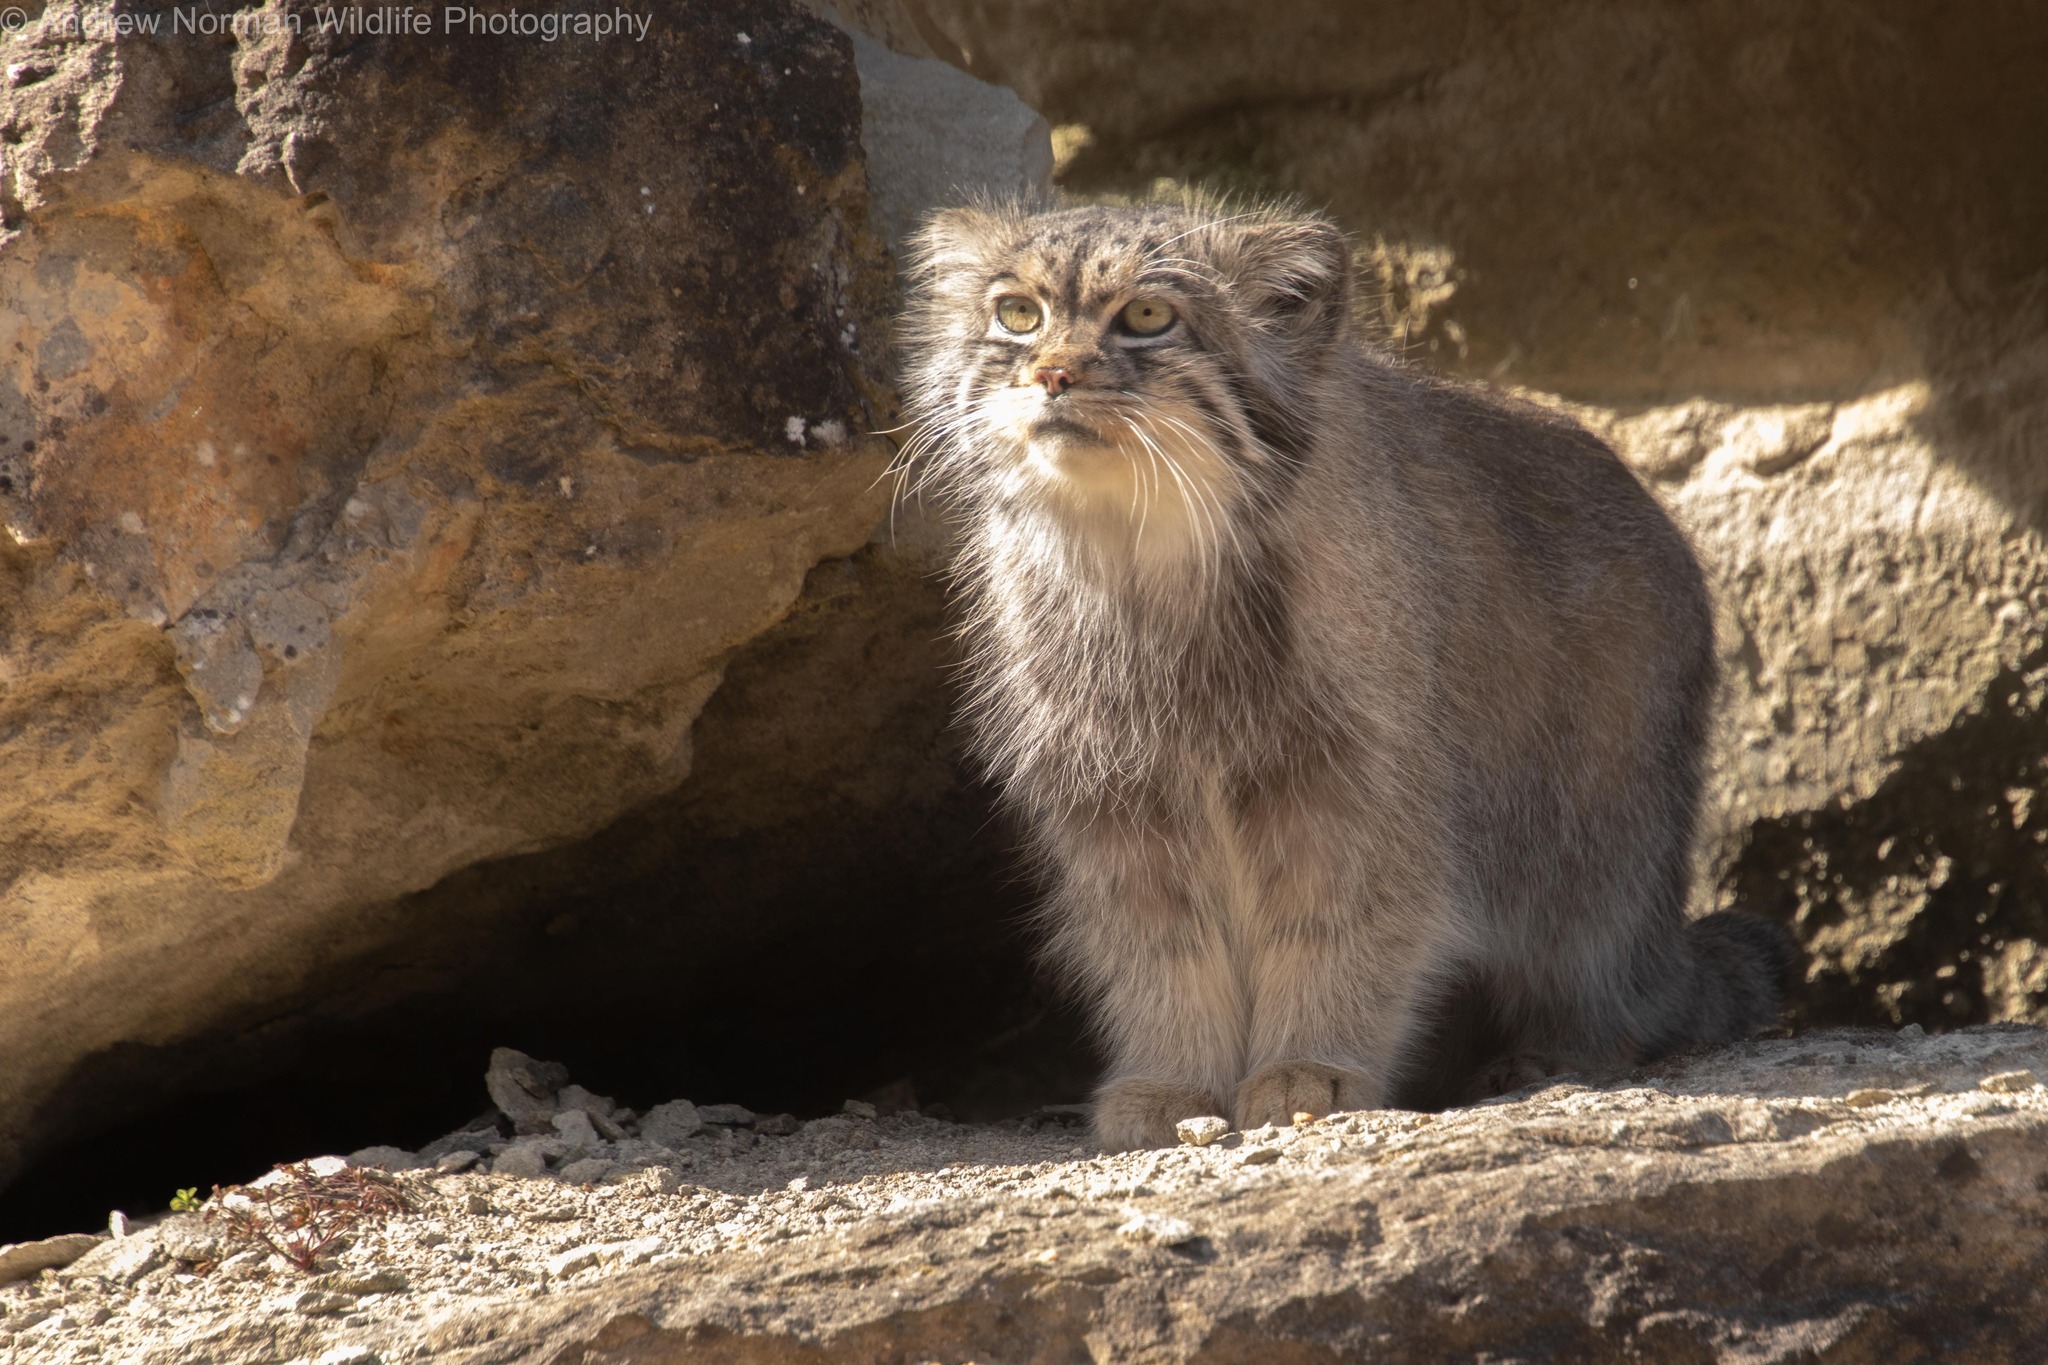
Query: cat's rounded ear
(951, 238)
(1296, 272)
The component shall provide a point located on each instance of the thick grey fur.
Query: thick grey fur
(1358, 729)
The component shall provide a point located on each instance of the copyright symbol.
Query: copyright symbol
(13, 19)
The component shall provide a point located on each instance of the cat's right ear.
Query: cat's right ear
(954, 238)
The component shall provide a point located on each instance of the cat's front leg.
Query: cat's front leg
(1170, 1010)
(1135, 924)
(1339, 951)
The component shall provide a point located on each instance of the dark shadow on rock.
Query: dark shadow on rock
(828, 906)
(1928, 902)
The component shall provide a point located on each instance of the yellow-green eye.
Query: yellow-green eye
(1146, 317)
(1015, 313)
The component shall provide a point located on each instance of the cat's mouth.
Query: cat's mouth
(1055, 425)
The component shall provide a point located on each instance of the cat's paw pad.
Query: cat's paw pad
(1137, 1113)
(1275, 1094)
(1516, 1071)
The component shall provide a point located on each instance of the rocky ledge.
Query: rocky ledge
(1845, 1196)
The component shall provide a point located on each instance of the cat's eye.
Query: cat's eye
(1146, 317)
(1015, 313)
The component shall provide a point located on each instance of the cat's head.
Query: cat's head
(1137, 357)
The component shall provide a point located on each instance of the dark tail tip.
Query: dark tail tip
(1747, 966)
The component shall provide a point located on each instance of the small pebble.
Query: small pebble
(1157, 1229)
(570, 1261)
(1200, 1132)
(384, 1159)
(575, 1128)
(349, 1355)
(521, 1160)
(726, 1115)
(2009, 1082)
(361, 1282)
(670, 1125)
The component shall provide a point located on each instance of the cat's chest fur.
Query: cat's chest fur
(1094, 676)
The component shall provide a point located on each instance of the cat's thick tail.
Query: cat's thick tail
(1743, 967)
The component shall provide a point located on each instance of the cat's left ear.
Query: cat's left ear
(1296, 272)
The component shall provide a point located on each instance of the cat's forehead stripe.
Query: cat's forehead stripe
(1083, 265)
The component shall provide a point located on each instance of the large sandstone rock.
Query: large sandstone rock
(1857, 1197)
(400, 435)
(1789, 260)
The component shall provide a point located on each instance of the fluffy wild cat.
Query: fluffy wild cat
(1354, 715)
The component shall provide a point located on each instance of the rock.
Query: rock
(479, 469)
(323, 1167)
(377, 1281)
(1201, 1132)
(2009, 1082)
(349, 1355)
(606, 1118)
(671, 1124)
(571, 1261)
(475, 1139)
(725, 1115)
(935, 135)
(1155, 1229)
(637, 1252)
(524, 1089)
(1726, 1204)
(123, 1260)
(776, 1125)
(188, 1237)
(523, 1158)
(19, 1260)
(385, 1159)
(576, 1132)
(576, 1097)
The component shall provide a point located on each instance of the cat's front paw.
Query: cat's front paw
(1138, 1113)
(1275, 1094)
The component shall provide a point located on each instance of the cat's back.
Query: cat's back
(1552, 594)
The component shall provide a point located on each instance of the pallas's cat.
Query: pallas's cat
(1355, 716)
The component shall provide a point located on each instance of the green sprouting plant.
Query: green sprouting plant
(185, 1201)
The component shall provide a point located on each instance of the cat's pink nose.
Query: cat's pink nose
(1056, 378)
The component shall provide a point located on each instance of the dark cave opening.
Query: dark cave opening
(944, 1012)
(828, 907)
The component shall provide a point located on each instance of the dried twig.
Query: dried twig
(300, 1215)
